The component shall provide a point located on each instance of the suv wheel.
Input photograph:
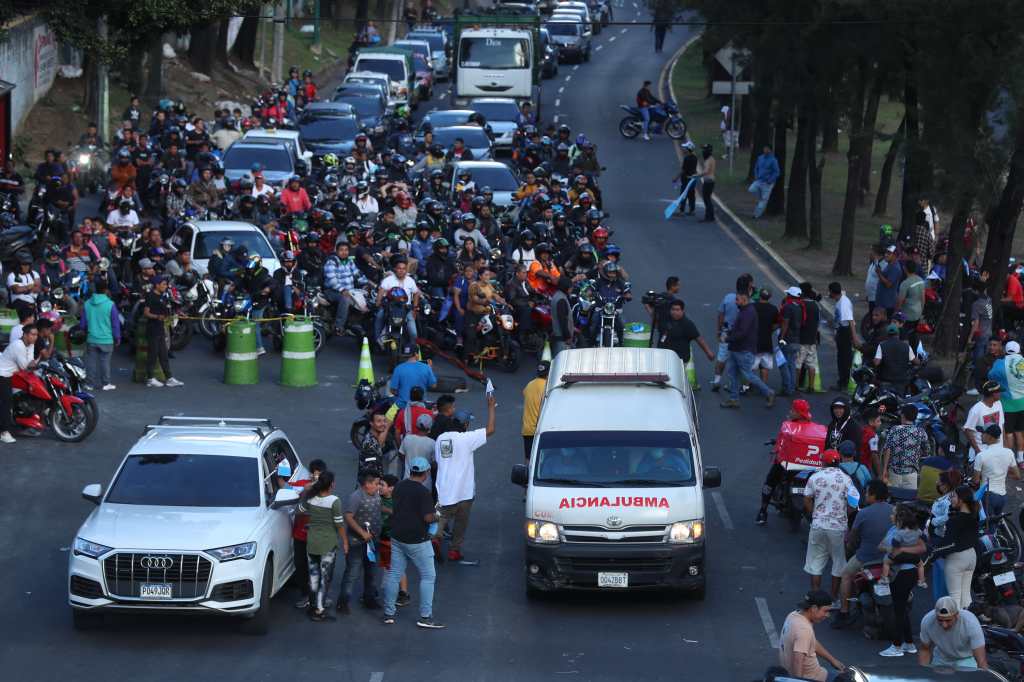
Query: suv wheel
(259, 623)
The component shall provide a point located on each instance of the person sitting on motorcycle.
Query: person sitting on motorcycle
(294, 197)
(80, 254)
(894, 359)
(587, 161)
(543, 273)
(311, 257)
(256, 281)
(203, 193)
(481, 295)
(581, 188)
(91, 136)
(223, 266)
(583, 265)
(422, 245)
(525, 253)
(341, 276)
(468, 230)
(124, 217)
(528, 188)
(398, 278)
(561, 164)
(180, 270)
(439, 268)
(610, 289)
(123, 172)
(521, 296)
(648, 104)
(613, 254)
(843, 427)
(23, 285)
(458, 152)
(799, 411)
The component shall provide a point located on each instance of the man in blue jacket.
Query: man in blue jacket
(742, 341)
(766, 174)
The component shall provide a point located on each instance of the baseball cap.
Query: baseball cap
(891, 248)
(893, 330)
(802, 408)
(793, 291)
(847, 449)
(424, 423)
(419, 465)
(946, 606)
(990, 387)
(543, 367)
(993, 430)
(145, 263)
(823, 598)
(159, 278)
(1013, 348)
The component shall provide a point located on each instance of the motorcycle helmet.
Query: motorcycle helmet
(397, 295)
(581, 139)
(468, 217)
(254, 262)
(180, 182)
(440, 243)
(436, 150)
(330, 159)
(362, 187)
(301, 168)
(307, 74)
(600, 234)
(506, 222)
(543, 247)
(331, 183)
(364, 395)
(287, 256)
(263, 203)
(422, 225)
(24, 257)
(609, 269)
(437, 174)
(245, 184)
(527, 236)
(311, 238)
(124, 156)
(612, 250)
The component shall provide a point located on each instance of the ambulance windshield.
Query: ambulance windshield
(615, 459)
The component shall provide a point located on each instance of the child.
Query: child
(905, 533)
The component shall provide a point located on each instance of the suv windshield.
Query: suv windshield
(563, 28)
(497, 111)
(394, 68)
(494, 53)
(270, 158)
(474, 139)
(187, 481)
(498, 178)
(436, 40)
(253, 240)
(609, 459)
(328, 128)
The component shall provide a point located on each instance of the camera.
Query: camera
(653, 299)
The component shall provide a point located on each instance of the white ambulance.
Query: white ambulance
(615, 484)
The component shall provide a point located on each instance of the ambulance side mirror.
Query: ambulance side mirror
(712, 477)
(519, 475)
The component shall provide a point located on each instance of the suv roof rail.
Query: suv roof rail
(615, 377)
(260, 425)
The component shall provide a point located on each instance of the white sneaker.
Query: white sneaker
(6, 437)
(109, 387)
(892, 652)
(647, 137)
(909, 648)
(260, 351)
(155, 383)
(172, 382)
(972, 392)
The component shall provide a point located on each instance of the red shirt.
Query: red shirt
(417, 410)
(1014, 291)
(868, 445)
(296, 201)
(310, 91)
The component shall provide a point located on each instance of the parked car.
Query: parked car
(196, 520)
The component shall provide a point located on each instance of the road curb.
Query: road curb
(736, 226)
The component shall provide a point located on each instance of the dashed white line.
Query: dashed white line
(598, 48)
(558, 102)
(555, 119)
(561, 90)
(767, 622)
(612, 39)
(568, 78)
(575, 68)
(722, 511)
(623, 31)
(634, 20)
(376, 677)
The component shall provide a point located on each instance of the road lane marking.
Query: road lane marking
(722, 511)
(612, 39)
(598, 48)
(555, 118)
(561, 90)
(623, 31)
(568, 78)
(376, 677)
(575, 68)
(558, 102)
(767, 622)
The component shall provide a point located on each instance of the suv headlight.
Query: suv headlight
(541, 532)
(686, 532)
(246, 550)
(93, 550)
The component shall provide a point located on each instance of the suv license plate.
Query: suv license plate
(1004, 578)
(155, 591)
(613, 579)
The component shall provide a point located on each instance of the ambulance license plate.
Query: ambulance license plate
(613, 579)
(1004, 578)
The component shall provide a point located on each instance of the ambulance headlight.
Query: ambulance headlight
(686, 532)
(541, 532)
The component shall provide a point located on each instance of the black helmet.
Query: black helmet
(423, 225)
(540, 172)
(527, 236)
(543, 247)
(364, 395)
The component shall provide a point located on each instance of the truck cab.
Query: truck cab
(615, 484)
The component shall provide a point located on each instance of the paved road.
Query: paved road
(493, 633)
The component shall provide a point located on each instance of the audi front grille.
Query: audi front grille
(187, 574)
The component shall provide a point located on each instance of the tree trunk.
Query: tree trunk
(746, 128)
(762, 115)
(202, 47)
(1002, 218)
(155, 69)
(829, 123)
(948, 334)
(885, 179)
(221, 46)
(90, 98)
(868, 127)
(244, 48)
(131, 69)
(777, 201)
(917, 173)
(796, 199)
(815, 170)
(843, 264)
(362, 14)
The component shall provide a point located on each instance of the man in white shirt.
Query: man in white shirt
(399, 278)
(260, 187)
(984, 413)
(456, 476)
(992, 465)
(846, 334)
(23, 284)
(123, 216)
(19, 355)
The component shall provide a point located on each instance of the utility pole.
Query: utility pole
(277, 75)
(103, 86)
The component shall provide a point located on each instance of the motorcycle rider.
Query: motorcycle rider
(543, 273)
(203, 193)
(341, 276)
(223, 265)
(91, 136)
(439, 268)
(525, 253)
(124, 217)
(123, 172)
(467, 230)
(894, 360)
(285, 281)
(256, 281)
(843, 426)
(481, 295)
(23, 285)
(398, 278)
(610, 288)
(799, 411)
(646, 102)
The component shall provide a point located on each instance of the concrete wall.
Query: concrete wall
(29, 58)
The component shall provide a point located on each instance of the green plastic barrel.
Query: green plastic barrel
(298, 354)
(240, 366)
(139, 375)
(636, 335)
(8, 321)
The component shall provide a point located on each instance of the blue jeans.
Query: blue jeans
(421, 554)
(98, 363)
(788, 370)
(354, 560)
(740, 363)
(763, 190)
(343, 303)
(994, 503)
(286, 296)
(378, 324)
(257, 314)
(645, 114)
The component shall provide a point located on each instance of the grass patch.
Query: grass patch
(702, 115)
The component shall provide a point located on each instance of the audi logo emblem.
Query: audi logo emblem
(159, 563)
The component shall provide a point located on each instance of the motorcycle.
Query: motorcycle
(665, 117)
(872, 602)
(93, 165)
(798, 450)
(13, 240)
(370, 399)
(42, 398)
(1004, 648)
(74, 374)
(497, 338)
(394, 334)
(609, 327)
(994, 582)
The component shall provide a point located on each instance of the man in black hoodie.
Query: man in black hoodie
(742, 340)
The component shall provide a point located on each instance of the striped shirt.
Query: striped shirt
(324, 518)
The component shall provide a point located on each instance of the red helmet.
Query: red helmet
(830, 457)
(599, 233)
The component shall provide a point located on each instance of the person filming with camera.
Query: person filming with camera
(657, 306)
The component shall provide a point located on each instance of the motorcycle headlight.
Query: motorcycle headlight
(246, 550)
(508, 322)
(686, 532)
(83, 159)
(541, 532)
(45, 306)
(609, 308)
(93, 550)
